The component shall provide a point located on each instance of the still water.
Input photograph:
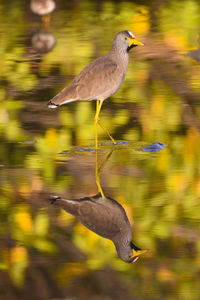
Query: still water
(45, 252)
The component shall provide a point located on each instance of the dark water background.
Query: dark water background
(44, 252)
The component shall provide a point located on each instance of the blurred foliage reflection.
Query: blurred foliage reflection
(43, 152)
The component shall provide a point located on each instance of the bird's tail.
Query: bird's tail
(54, 103)
(53, 199)
(67, 95)
(51, 104)
(69, 205)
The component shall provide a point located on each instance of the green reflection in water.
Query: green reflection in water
(159, 101)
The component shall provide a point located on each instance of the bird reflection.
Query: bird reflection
(43, 41)
(104, 216)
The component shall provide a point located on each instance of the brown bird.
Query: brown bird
(107, 218)
(100, 79)
(42, 7)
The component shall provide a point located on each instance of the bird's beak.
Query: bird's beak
(134, 42)
(137, 253)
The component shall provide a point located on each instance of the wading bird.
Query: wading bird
(100, 79)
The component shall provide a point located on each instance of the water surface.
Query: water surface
(47, 152)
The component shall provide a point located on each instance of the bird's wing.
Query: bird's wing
(104, 216)
(99, 76)
(104, 220)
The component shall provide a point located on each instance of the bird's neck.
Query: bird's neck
(121, 246)
(120, 54)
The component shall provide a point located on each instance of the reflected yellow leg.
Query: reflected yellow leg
(105, 160)
(98, 170)
(97, 176)
(97, 120)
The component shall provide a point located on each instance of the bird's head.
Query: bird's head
(126, 40)
(129, 253)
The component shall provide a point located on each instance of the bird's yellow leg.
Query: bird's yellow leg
(96, 118)
(106, 130)
(46, 21)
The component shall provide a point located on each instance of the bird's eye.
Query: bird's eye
(125, 38)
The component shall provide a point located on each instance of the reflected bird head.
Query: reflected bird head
(130, 253)
(136, 252)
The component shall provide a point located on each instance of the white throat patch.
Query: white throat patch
(131, 34)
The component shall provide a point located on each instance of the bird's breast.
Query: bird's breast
(113, 86)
